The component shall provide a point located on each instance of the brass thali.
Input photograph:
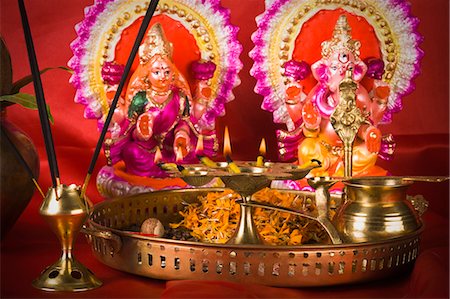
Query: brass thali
(284, 266)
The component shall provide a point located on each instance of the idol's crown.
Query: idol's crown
(155, 43)
(341, 40)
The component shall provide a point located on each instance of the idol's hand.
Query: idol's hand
(118, 116)
(311, 116)
(380, 94)
(182, 142)
(144, 126)
(373, 139)
(294, 101)
(202, 97)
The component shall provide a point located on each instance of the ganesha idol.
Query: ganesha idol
(306, 68)
(314, 136)
(186, 68)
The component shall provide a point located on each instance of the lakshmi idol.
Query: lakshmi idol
(313, 136)
(157, 112)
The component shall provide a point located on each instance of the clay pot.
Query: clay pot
(17, 187)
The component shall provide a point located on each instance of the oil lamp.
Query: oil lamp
(179, 155)
(232, 167)
(199, 147)
(158, 156)
(262, 153)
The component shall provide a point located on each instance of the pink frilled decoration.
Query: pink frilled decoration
(180, 81)
(377, 39)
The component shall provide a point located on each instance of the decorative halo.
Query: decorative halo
(198, 30)
(294, 29)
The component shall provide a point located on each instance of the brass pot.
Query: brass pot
(17, 187)
(376, 209)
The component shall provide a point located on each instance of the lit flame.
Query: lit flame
(226, 143)
(179, 156)
(158, 156)
(262, 147)
(199, 147)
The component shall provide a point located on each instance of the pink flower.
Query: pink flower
(298, 70)
(375, 67)
(203, 70)
(112, 72)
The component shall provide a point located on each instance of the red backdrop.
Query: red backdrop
(421, 128)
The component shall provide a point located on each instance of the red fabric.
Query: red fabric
(421, 131)
(430, 283)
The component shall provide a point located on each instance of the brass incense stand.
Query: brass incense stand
(65, 212)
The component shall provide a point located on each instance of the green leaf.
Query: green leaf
(25, 100)
(28, 79)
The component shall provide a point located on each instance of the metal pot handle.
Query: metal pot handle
(114, 241)
(419, 203)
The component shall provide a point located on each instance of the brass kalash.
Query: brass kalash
(375, 233)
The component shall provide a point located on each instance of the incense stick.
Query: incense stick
(21, 160)
(150, 11)
(40, 99)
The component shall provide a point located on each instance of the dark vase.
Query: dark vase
(16, 185)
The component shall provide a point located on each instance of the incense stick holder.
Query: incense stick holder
(65, 212)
